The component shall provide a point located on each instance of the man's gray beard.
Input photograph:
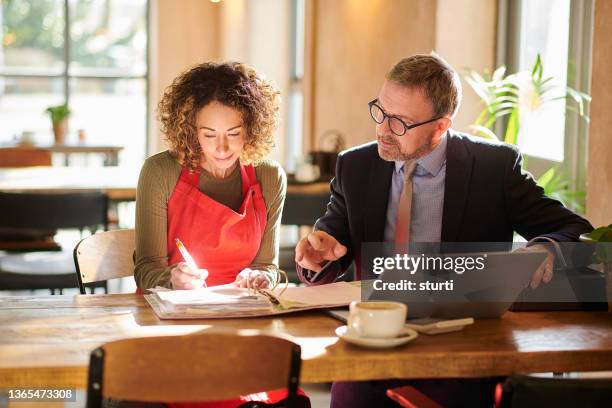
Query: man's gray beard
(399, 156)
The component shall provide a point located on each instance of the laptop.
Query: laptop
(485, 293)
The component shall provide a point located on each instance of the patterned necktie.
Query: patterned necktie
(402, 223)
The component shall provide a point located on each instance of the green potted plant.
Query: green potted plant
(602, 236)
(59, 117)
(509, 97)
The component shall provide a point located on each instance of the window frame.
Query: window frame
(66, 76)
(580, 51)
(297, 83)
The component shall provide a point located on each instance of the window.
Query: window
(295, 122)
(544, 30)
(561, 32)
(91, 54)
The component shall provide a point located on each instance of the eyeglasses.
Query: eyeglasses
(397, 126)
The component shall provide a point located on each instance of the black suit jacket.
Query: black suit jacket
(487, 197)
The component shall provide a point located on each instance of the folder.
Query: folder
(227, 301)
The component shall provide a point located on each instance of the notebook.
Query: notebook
(227, 301)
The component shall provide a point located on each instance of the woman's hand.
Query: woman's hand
(249, 278)
(183, 277)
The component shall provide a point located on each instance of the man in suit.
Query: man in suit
(421, 181)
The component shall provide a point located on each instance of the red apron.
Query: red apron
(218, 238)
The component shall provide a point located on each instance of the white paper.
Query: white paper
(223, 295)
(338, 293)
(229, 301)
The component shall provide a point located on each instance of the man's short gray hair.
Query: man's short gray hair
(430, 72)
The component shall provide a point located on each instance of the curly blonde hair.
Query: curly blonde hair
(233, 84)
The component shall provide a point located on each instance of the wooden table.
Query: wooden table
(46, 341)
(110, 152)
(118, 182)
(319, 187)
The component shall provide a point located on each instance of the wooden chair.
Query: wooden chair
(28, 222)
(531, 391)
(105, 255)
(409, 397)
(527, 391)
(304, 208)
(200, 367)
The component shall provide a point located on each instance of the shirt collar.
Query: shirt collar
(432, 162)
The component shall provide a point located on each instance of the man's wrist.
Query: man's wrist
(552, 246)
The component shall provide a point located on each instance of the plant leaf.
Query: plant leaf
(545, 178)
(513, 128)
(483, 132)
(536, 72)
(498, 74)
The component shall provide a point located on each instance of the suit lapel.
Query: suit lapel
(376, 198)
(459, 163)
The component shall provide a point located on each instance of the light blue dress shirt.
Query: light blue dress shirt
(427, 196)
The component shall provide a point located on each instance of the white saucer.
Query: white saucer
(404, 337)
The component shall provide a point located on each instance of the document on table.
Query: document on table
(228, 301)
(223, 295)
(321, 296)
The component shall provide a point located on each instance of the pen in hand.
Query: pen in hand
(189, 260)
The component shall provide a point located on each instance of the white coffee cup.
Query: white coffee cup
(377, 319)
(27, 137)
(307, 173)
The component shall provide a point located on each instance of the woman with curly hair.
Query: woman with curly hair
(212, 189)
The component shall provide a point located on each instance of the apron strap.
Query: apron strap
(249, 178)
(192, 178)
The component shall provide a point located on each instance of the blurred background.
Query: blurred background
(110, 60)
(80, 81)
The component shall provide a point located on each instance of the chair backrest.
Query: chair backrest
(303, 208)
(105, 255)
(28, 221)
(200, 367)
(527, 391)
(53, 210)
(24, 157)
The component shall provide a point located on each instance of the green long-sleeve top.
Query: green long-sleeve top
(159, 176)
